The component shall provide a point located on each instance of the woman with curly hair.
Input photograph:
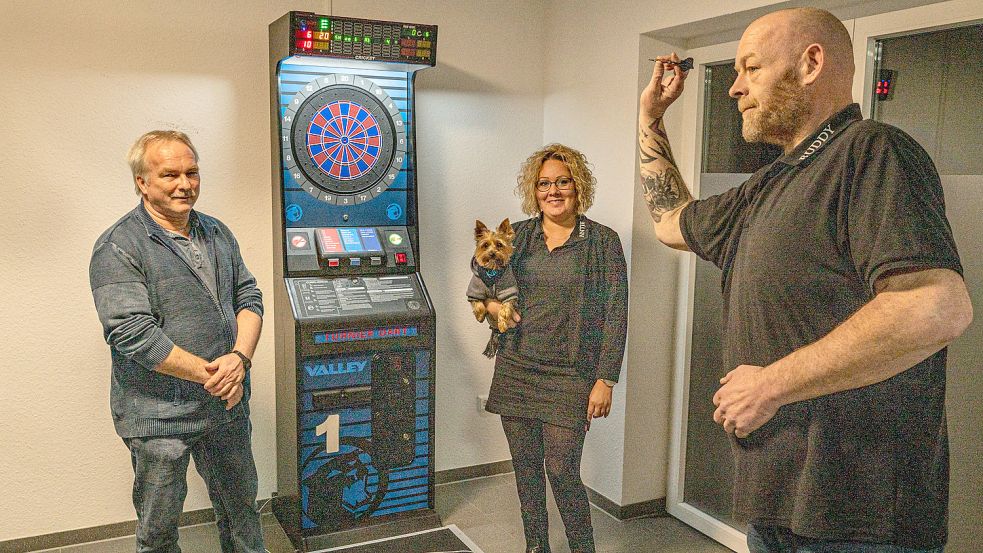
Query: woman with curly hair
(555, 370)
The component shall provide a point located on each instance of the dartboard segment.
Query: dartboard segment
(343, 139)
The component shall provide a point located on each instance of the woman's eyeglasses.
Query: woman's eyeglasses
(562, 183)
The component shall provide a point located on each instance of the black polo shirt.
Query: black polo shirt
(552, 286)
(573, 301)
(801, 244)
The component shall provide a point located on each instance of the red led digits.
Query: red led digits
(882, 86)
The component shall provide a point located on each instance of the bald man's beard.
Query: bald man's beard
(784, 114)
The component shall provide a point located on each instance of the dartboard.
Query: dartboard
(343, 139)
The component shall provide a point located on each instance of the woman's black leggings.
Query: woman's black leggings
(532, 442)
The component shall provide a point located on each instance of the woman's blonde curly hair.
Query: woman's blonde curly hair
(584, 181)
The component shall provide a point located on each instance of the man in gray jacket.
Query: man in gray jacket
(182, 316)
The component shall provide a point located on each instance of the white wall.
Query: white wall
(80, 80)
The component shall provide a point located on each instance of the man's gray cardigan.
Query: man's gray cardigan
(149, 299)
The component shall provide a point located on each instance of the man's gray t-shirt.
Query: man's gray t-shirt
(196, 253)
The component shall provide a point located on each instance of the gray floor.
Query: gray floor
(487, 510)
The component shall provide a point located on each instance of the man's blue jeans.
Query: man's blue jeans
(224, 459)
(776, 539)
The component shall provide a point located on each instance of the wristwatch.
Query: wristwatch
(246, 362)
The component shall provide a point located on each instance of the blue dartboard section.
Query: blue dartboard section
(389, 208)
(348, 477)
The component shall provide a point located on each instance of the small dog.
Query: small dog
(493, 277)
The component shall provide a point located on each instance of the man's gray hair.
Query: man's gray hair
(136, 157)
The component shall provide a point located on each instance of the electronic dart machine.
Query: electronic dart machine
(354, 323)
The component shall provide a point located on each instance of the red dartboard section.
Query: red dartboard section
(344, 139)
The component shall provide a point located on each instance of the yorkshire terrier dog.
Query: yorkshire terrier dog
(493, 278)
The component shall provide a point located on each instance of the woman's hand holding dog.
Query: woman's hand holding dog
(494, 307)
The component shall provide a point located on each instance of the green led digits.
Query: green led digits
(325, 24)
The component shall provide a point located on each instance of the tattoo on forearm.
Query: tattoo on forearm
(664, 192)
(662, 185)
(653, 143)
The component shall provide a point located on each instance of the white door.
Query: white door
(700, 470)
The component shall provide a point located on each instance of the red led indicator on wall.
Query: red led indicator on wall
(882, 87)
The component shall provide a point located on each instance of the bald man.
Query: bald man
(842, 286)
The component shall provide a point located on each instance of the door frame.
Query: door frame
(693, 103)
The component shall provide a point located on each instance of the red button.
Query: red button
(400, 258)
(334, 262)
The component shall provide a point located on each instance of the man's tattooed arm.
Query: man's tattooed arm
(662, 185)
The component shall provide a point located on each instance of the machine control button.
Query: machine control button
(299, 241)
(334, 262)
(300, 250)
(375, 260)
(355, 261)
(400, 258)
(395, 238)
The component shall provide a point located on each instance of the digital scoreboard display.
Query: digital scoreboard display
(342, 240)
(362, 39)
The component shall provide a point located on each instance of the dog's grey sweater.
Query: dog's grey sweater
(488, 284)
